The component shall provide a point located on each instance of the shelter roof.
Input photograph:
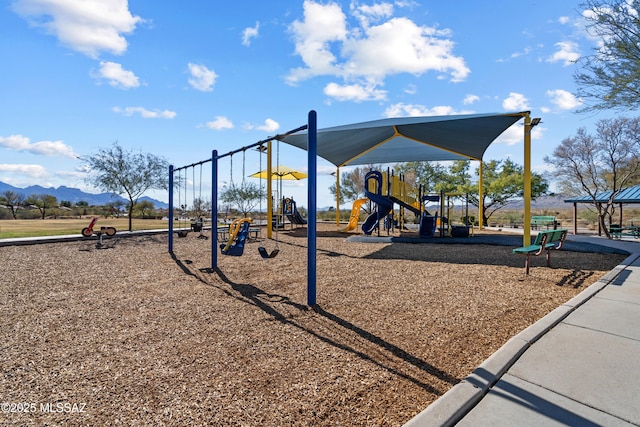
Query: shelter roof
(404, 139)
(628, 195)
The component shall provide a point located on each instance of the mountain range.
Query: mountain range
(75, 195)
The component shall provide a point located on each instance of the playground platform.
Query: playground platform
(577, 366)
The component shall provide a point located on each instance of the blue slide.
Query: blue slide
(427, 225)
(385, 205)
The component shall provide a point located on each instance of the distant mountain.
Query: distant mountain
(544, 202)
(75, 195)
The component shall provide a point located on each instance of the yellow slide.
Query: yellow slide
(235, 226)
(355, 214)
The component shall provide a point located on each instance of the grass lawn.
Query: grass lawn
(10, 228)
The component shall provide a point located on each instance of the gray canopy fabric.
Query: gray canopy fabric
(403, 139)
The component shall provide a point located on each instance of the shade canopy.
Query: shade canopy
(280, 172)
(628, 195)
(403, 139)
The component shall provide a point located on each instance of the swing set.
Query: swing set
(239, 229)
(198, 207)
(312, 150)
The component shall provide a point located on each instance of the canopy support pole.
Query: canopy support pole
(269, 193)
(338, 196)
(526, 240)
(480, 197)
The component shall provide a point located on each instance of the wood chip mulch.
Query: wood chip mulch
(129, 335)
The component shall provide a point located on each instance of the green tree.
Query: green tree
(502, 183)
(145, 208)
(429, 175)
(351, 184)
(126, 173)
(608, 161)
(244, 196)
(12, 200)
(43, 202)
(610, 77)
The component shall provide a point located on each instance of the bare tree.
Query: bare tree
(605, 163)
(12, 200)
(127, 173)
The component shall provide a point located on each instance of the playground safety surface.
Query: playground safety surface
(140, 337)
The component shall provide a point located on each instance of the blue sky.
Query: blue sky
(180, 78)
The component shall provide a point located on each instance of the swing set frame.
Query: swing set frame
(311, 128)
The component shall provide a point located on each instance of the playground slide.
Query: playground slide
(355, 214)
(427, 225)
(384, 207)
(240, 231)
(296, 218)
(290, 209)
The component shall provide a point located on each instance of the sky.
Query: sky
(181, 78)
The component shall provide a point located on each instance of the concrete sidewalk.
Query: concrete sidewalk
(577, 366)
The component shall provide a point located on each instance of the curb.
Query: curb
(22, 241)
(452, 406)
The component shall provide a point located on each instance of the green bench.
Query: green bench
(539, 220)
(546, 241)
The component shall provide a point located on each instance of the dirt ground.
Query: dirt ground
(129, 335)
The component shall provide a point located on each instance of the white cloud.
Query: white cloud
(35, 171)
(250, 33)
(116, 76)
(45, 148)
(413, 110)
(354, 92)
(269, 125)
(515, 135)
(563, 99)
(369, 52)
(401, 46)
(515, 102)
(470, 99)
(411, 89)
(322, 25)
(202, 78)
(87, 26)
(567, 53)
(144, 113)
(367, 13)
(526, 51)
(564, 20)
(220, 123)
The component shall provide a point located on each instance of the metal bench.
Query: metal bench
(546, 241)
(540, 220)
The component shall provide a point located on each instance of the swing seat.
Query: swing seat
(182, 233)
(264, 254)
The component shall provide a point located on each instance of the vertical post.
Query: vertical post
(269, 194)
(526, 240)
(214, 209)
(171, 209)
(338, 196)
(312, 149)
(575, 218)
(480, 198)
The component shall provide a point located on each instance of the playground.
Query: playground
(138, 336)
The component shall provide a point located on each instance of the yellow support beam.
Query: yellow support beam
(526, 240)
(269, 194)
